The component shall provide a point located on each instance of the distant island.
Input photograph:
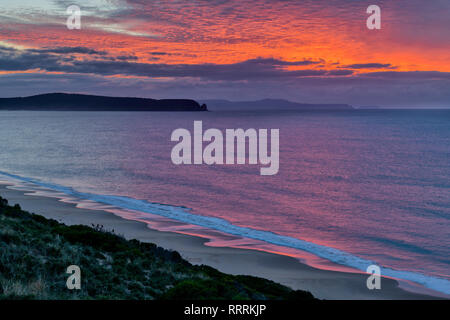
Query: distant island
(81, 102)
(369, 107)
(271, 104)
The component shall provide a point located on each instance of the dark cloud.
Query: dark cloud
(275, 62)
(254, 69)
(13, 60)
(66, 50)
(126, 58)
(340, 72)
(261, 69)
(369, 66)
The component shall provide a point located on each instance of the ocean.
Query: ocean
(354, 188)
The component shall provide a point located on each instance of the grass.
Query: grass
(35, 253)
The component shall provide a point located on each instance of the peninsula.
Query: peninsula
(81, 102)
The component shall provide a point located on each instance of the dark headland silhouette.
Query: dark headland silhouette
(81, 102)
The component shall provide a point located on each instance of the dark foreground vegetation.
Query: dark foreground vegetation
(35, 253)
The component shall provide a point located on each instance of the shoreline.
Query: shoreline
(289, 271)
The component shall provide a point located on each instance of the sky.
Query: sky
(311, 51)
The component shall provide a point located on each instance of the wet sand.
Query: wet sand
(286, 270)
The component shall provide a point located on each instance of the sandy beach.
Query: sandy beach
(286, 270)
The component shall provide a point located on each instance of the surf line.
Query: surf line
(218, 152)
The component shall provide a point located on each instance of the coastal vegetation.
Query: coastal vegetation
(35, 253)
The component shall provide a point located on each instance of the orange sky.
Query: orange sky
(333, 34)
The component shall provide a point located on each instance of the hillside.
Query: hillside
(35, 252)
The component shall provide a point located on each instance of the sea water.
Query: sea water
(354, 188)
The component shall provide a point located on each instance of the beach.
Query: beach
(289, 271)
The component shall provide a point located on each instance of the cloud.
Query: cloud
(369, 66)
(126, 58)
(13, 60)
(253, 69)
(64, 50)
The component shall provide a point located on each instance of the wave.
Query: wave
(185, 215)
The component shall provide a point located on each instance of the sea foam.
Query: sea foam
(185, 215)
